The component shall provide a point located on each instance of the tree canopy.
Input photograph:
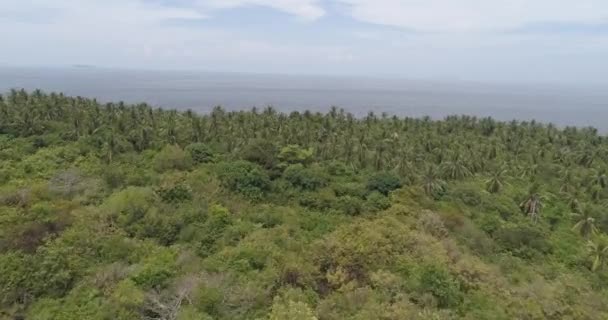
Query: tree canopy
(116, 211)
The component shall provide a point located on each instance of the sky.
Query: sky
(545, 41)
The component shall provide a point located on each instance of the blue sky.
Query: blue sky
(563, 41)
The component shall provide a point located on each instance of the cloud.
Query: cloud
(307, 9)
(90, 13)
(135, 34)
(475, 15)
(469, 39)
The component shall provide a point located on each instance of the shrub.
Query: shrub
(175, 194)
(337, 168)
(114, 176)
(523, 240)
(293, 154)
(200, 153)
(172, 157)
(349, 189)
(305, 178)
(468, 195)
(15, 276)
(245, 178)
(350, 206)
(66, 183)
(128, 294)
(156, 270)
(316, 201)
(130, 208)
(262, 152)
(432, 223)
(5, 176)
(376, 201)
(290, 310)
(438, 282)
(383, 182)
(16, 198)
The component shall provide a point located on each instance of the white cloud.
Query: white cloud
(476, 15)
(135, 11)
(134, 34)
(307, 9)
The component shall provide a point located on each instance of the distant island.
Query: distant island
(127, 211)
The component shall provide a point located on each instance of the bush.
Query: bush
(337, 168)
(523, 241)
(114, 176)
(294, 154)
(432, 223)
(438, 282)
(349, 189)
(5, 176)
(262, 152)
(134, 210)
(245, 178)
(15, 276)
(350, 206)
(316, 201)
(66, 183)
(305, 178)
(156, 270)
(376, 201)
(130, 204)
(468, 195)
(290, 310)
(175, 194)
(172, 157)
(383, 182)
(200, 153)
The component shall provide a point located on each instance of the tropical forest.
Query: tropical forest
(129, 211)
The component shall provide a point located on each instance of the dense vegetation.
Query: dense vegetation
(110, 211)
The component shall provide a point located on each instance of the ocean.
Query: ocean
(201, 91)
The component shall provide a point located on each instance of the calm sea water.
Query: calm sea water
(201, 91)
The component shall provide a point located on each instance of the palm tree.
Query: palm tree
(573, 202)
(598, 249)
(431, 183)
(529, 170)
(533, 204)
(455, 168)
(496, 181)
(568, 181)
(585, 224)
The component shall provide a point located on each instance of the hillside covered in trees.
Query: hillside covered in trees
(114, 211)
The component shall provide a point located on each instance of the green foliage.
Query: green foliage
(438, 282)
(172, 157)
(200, 153)
(245, 178)
(299, 216)
(305, 178)
(130, 205)
(262, 152)
(128, 294)
(156, 270)
(523, 240)
(294, 154)
(290, 310)
(383, 182)
(16, 277)
(350, 205)
(175, 194)
(376, 201)
(349, 189)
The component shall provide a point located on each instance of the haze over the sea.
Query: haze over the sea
(201, 91)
